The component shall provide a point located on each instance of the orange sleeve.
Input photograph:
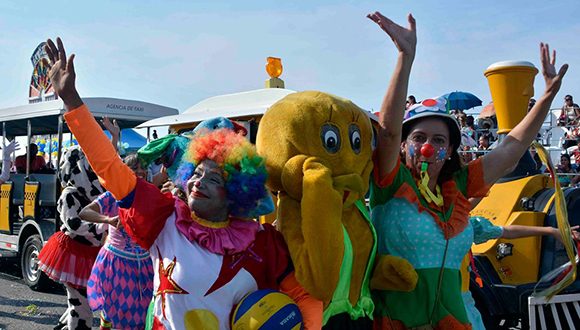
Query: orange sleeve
(310, 307)
(113, 174)
(476, 186)
(389, 178)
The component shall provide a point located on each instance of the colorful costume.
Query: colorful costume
(202, 268)
(69, 254)
(411, 228)
(318, 152)
(433, 238)
(121, 282)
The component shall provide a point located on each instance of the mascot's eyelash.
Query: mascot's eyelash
(330, 114)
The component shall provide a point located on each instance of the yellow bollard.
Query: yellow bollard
(512, 85)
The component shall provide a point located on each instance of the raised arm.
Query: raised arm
(393, 106)
(6, 162)
(517, 231)
(92, 213)
(95, 144)
(501, 160)
(114, 130)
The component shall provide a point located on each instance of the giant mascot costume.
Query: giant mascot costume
(318, 149)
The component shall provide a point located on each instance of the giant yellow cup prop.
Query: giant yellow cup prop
(512, 85)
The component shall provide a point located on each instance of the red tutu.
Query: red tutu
(67, 261)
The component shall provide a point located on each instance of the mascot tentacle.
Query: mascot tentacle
(318, 182)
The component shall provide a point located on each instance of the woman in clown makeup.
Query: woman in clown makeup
(208, 252)
(420, 189)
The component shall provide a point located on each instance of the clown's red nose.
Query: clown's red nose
(427, 150)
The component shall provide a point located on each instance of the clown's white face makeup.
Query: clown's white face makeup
(206, 192)
(435, 132)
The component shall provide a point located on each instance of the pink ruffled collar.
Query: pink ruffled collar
(225, 238)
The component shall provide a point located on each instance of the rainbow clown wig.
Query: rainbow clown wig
(243, 170)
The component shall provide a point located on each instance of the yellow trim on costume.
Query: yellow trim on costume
(429, 196)
(210, 224)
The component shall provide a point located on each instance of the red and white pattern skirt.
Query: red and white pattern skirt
(67, 261)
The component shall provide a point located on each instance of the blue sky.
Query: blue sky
(177, 53)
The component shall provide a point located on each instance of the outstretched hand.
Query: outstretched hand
(404, 38)
(112, 127)
(9, 149)
(553, 79)
(573, 233)
(62, 73)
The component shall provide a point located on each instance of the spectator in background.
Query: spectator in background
(37, 163)
(565, 167)
(462, 119)
(488, 126)
(484, 143)
(467, 125)
(411, 100)
(466, 154)
(155, 136)
(569, 113)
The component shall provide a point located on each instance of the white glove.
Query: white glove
(6, 153)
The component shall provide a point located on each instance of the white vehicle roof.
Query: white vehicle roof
(233, 106)
(44, 115)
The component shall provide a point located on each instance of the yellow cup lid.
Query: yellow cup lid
(503, 64)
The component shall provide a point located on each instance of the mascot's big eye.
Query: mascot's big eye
(330, 136)
(354, 135)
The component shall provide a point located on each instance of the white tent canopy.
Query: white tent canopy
(44, 115)
(233, 106)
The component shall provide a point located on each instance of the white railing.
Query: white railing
(561, 312)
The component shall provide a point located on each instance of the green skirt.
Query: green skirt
(417, 308)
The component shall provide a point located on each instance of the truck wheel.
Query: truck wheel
(32, 275)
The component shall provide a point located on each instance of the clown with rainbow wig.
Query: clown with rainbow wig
(208, 252)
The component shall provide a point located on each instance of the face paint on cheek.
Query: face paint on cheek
(412, 150)
(441, 154)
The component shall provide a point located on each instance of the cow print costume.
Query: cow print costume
(69, 254)
(80, 187)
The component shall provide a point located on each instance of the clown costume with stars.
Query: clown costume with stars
(207, 253)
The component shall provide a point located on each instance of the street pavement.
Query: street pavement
(24, 309)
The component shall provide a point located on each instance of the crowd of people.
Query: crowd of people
(181, 253)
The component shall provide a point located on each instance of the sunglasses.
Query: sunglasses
(567, 99)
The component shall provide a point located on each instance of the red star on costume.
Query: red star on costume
(231, 265)
(166, 283)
